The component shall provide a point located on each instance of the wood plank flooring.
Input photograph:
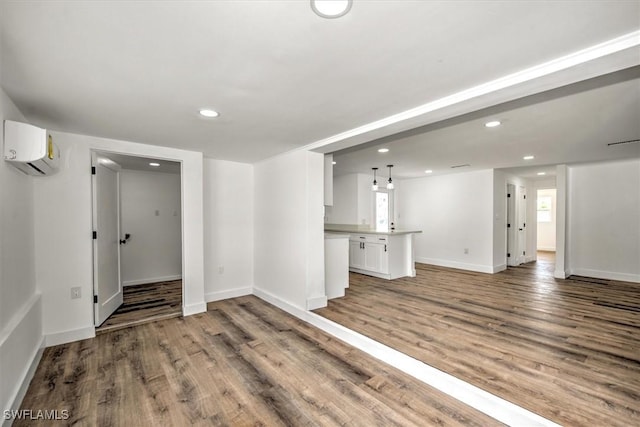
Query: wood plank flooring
(568, 350)
(146, 303)
(242, 363)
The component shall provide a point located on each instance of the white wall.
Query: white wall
(603, 219)
(352, 203)
(20, 305)
(228, 228)
(546, 234)
(63, 229)
(454, 212)
(151, 212)
(289, 235)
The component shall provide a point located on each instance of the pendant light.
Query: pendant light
(374, 187)
(390, 183)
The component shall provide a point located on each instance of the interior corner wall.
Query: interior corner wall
(603, 217)
(63, 229)
(454, 212)
(289, 242)
(20, 304)
(228, 229)
(150, 211)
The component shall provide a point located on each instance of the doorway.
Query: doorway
(143, 202)
(546, 224)
(516, 224)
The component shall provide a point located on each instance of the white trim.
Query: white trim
(607, 275)
(545, 69)
(229, 293)
(188, 310)
(496, 407)
(454, 264)
(151, 280)
(18, 318)
(70, 336)
(561, 274)
(21, 392)
(316, 302)
(499, 268)
(546, 248)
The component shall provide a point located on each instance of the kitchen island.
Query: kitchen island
(384, 254)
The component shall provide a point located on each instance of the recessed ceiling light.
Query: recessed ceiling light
(492, 124)
(528, 157)
(383, 150)
(331, 8)
(155, 165)
(542, 173)
(428, 171)
(333, 163)
(205, 112)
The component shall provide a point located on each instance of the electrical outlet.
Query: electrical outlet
(76, 292)
(466, 251)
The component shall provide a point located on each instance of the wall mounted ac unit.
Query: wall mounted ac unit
(30, 148)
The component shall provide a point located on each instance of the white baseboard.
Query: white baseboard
(21, 346)
(70, 336)
(561, 274)
(454, 264)
(279, 302)
(188, 310)
(607, 275)
(530, 258)
(499, 268)
(229, 293)
(316, 302)
(546, 248)
(151, 280)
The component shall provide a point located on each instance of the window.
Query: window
(544, 208)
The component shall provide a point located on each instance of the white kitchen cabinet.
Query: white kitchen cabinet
(384, 255)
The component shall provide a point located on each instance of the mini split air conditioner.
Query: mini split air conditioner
(30, 148)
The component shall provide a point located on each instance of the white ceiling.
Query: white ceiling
(283, 78)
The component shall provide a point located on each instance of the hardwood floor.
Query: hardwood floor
(568, 350)
(146, 303)
(242, 363)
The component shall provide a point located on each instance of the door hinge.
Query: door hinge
(524, 224)
(508, 225)
(525, 196)
(522, 252)
(94, 235)
(93, 170)
(95, 299)
(508, 255)
(508, 195)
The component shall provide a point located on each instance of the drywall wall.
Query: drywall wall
(454, 212)
(546, 234)
(20, 310)
(151, 213)
(63, 230)
(352, 202)
(228, 229)
(603, 217)
(289, 236)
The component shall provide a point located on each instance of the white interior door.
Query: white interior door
(107, 285)
(522, 224)
(512, 258)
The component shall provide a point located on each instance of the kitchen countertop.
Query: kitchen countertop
(328, 235)
(356, 229)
